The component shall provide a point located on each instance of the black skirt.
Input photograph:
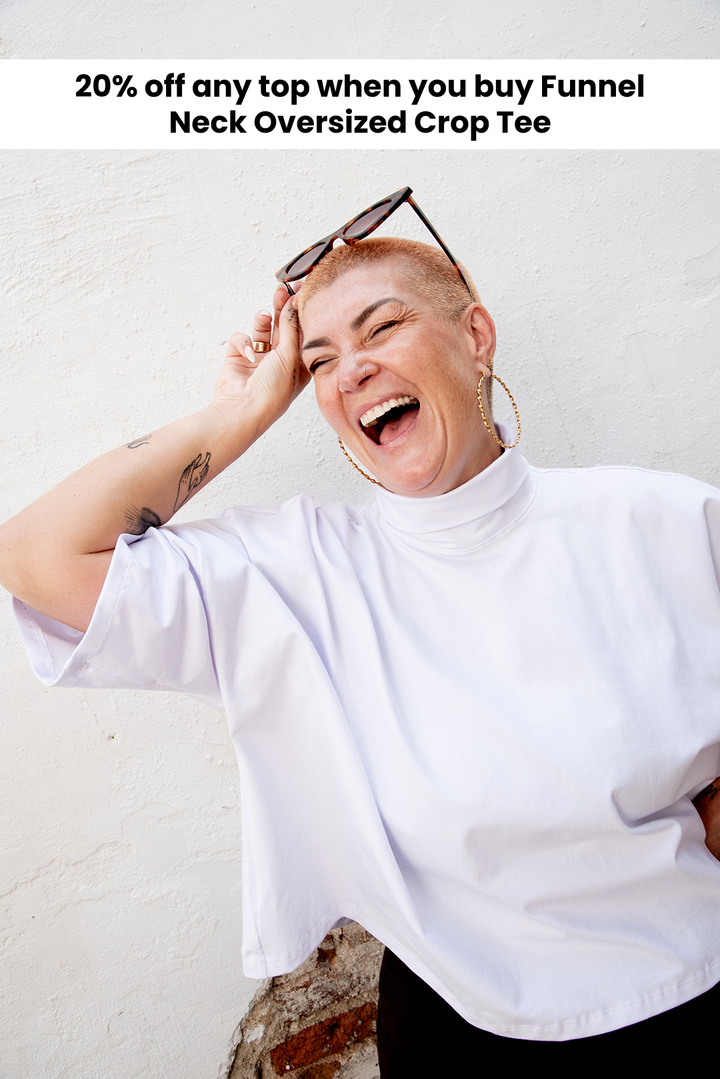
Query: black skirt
(420, 1035)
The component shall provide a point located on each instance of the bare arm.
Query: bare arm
(55, 554)
(708, 806)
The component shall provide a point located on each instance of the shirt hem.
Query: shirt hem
(585, 1025)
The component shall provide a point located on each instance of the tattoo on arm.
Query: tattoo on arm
(708, 792)
(191, 479)
(142, 441)
(138, 521)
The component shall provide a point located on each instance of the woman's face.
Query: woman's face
(374, 346)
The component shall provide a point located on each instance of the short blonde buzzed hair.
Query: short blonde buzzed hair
(428, 271)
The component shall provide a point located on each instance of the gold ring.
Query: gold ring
(261, 346)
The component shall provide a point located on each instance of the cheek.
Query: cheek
(329, 402)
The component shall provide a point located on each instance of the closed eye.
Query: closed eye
(384, 326)
(312, 368)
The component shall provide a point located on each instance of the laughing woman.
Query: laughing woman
(513, 673)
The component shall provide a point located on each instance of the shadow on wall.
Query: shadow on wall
(319, 1021)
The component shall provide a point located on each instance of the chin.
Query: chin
(410, 481)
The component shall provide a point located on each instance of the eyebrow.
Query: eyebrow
(321, 342)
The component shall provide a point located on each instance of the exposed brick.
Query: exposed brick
(323, 1071)
(339, 977)
(324, 1039)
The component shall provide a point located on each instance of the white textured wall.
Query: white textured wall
(121, 276)
(376, 28)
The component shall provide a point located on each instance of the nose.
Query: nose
(353, 372)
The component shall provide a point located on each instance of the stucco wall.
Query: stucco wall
(122, 275)
(322, 28)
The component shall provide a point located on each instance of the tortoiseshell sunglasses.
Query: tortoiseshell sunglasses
(357, 229)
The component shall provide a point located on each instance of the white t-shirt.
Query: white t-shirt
(472, 722)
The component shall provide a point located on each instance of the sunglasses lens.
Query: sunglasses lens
(304, 263)
(366, 222)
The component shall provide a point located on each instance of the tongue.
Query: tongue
(393, 428)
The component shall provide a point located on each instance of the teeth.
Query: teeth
(373, 414)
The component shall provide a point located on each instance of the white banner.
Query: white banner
(352, 104)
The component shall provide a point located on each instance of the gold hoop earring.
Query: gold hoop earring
(505, 445)
(358, 466)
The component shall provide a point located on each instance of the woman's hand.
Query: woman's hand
(267, 381)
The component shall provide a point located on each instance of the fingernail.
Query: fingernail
(249, 353)
(264, 311)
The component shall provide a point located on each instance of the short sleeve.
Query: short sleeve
(149, 629)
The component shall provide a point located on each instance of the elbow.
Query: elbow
(15, 559)
(38, 573)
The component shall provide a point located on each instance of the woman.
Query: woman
(471, 717)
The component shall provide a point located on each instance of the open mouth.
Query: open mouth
(387, 421)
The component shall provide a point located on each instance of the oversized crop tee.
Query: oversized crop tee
(472, 722)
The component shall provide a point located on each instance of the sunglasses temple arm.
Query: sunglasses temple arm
(446, 249)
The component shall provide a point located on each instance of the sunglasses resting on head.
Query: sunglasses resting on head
(356, 229)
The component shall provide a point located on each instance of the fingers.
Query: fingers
(279, 332)
(241, 347)
(237, 343)
(265, 330)
(286, 322)
(288, 342)
(281, 298)
(262, 327)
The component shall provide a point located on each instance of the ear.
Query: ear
(481, 328)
